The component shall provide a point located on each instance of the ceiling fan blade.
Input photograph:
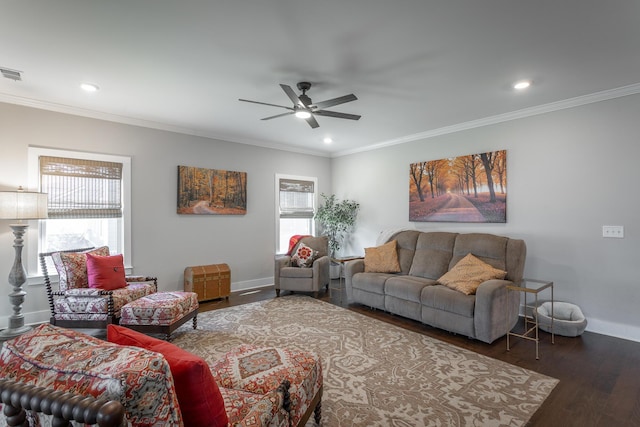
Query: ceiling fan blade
(265, 103)
(278, 115)
(337, 115)
(292, 95)
(335, 101)
(312, 122)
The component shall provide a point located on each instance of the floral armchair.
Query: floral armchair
(74, 303)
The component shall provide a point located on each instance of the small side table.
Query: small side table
(531, 286)
(341, 261)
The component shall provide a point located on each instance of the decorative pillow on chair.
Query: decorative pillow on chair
(106, 272)
(72, 267)
(199, 397)
(469, 273)
(304, 256)
(382, 259)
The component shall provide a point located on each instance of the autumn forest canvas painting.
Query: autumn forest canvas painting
(470, 188)
(204, 191)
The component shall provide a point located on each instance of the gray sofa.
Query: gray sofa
(414, 292)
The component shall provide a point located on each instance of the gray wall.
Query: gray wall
(569, 173)
(164, 243)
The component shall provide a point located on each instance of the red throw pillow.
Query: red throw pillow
(106, 272)
(200, 400)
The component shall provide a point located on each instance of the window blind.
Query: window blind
(80, 188)
(296, 198)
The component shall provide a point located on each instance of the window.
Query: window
(88, 201)
(296, 201)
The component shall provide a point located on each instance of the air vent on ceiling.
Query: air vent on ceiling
(11, 74)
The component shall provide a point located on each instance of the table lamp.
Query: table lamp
(20, 206)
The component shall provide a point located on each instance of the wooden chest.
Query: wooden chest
(208, 281)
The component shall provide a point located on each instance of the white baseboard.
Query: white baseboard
(597, 326)
(617, 330)
(251, 284)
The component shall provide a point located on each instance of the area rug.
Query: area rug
(377, 374)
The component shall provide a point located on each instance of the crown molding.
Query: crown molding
(514, 115)
(99, 115)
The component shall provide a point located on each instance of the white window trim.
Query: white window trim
(277, 200)
(33, 233)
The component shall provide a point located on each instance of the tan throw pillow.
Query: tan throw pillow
(469, 273)
(382, 259)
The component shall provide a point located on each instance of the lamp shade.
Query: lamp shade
(23, 205)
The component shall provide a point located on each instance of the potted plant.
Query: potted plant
(336, 219)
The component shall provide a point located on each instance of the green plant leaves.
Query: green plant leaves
(336, 218)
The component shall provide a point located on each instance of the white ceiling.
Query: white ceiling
(418, 67)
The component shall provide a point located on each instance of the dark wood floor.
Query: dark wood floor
(599, 375)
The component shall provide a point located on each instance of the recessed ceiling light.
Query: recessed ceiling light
(89, 87)
(522, 84)
(328, 140)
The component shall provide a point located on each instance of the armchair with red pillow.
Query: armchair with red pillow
(92, 287)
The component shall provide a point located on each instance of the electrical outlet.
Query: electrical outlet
(614, 231)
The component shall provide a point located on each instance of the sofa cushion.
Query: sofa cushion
(87, 304)
(433, 254)
(304, 256)
(106, 272)
(406, 248)
(445, 299)
(489, 248)
(260, 369)
(370, 282)
(296, 272)
(200, 400)
(469, 273)
(382, 259)
(72, 267)
(406, 287)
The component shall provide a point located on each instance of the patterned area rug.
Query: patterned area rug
(377, 374)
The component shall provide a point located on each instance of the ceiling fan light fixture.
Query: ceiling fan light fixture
(328, 140)
(89, 87)
(522, 84)
(303, 114)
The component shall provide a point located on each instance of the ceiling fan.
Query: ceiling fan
(304, 108)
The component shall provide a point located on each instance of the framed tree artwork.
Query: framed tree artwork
(471, 188)
(204, 191)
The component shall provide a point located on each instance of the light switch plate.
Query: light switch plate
(614, 231)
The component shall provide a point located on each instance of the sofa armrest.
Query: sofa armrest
(142, 279)
(321, 272)
(493, 304)
(279, 263)
(350, 269)
(62, 406)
